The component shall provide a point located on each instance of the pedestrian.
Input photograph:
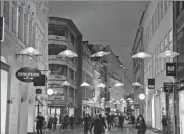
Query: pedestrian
(141, 125)
(116, 122)
(86, 124)
(99, 127)
(164, 124)
(72, 120)
(121, 121)
(40, 121)
(54, 122)
(133, 121)
(109, 121)
(49, 126)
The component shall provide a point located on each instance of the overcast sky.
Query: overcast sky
(109, 23)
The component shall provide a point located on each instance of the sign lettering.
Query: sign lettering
(170, 69)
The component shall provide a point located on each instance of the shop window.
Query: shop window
(177, 8)
(55, 49)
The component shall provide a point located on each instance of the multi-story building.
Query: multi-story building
(178, 38)
(138, 69)
(157, 26)
(115, 74)
(63, 35)
(25, 26)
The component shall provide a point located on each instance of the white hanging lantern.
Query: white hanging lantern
(141, 55)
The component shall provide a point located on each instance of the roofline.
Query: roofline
(68, 21)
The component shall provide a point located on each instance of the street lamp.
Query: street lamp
(50, 91)
(68, 53)
(142, 96)
(85, 84)
(141, 55)
(102, 85)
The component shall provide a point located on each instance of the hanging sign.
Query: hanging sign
(40, 81)
(168, 87)
(27, 74)
(151, 83)
(38, 91)
(170, 69)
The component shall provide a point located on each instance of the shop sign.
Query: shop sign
(38, 91)
(27, 74)
(168, 87)
(170, 69)
(151, 83)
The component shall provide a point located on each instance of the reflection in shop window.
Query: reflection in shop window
(56, 69)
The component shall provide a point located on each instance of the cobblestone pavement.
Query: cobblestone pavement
(79, 130)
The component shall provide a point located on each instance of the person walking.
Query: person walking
(109, 121)
(98, 125)
(40, 120)
(164, 124)
(133, 121)
(86, 124)
(121, 121)
(49, 126)
(116, 122)
(141, 125)
(54, 122)
(72, 120)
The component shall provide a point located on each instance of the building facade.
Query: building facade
(157, 26)
(178, 38)
(63, 35)
(115, 75)
(25, 26)
(138, 69)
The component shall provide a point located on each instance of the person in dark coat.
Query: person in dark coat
(141, 125)
(86, 124)
(40, 123)
(109, 121)
(55, 119)
(121, 121)
(72, 120)
(102, 120)
(133, 120)
(49, 126)
(164, 124)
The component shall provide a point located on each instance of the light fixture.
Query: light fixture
(50, 91)
(110, 101)
(85, 84)
(118, 84)
(122, 99)
(141, 55)
(136, 84)
(168, 53)
(142, 96)
(68, 54)
(101, 85)
(65, 83)
(30, 51)
(100, 54)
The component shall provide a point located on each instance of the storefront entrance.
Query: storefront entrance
(181, 111)
(4, 95)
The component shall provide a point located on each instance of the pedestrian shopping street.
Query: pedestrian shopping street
(92, 63)
(126, 130)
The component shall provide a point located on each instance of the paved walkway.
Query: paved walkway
(127, 130)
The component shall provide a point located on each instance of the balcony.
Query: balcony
(54, 59)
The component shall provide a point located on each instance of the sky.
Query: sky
(111, 23)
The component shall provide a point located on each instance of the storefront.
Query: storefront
(181, 111)
(4, 95)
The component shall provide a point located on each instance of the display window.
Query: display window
(181, 111)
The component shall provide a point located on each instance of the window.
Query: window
(30, 32)
(6, 13)
(158, 13)
(162, 9)
(25, 27)
(156, 62)
(153, 23)
(170, 36)
(55, 49)
(19, 23)
(71, 75)
(166, 42)
(56, 69)
(154, 66)
(72, 38)
(71, 92)
(57, 30)
(14, 10)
